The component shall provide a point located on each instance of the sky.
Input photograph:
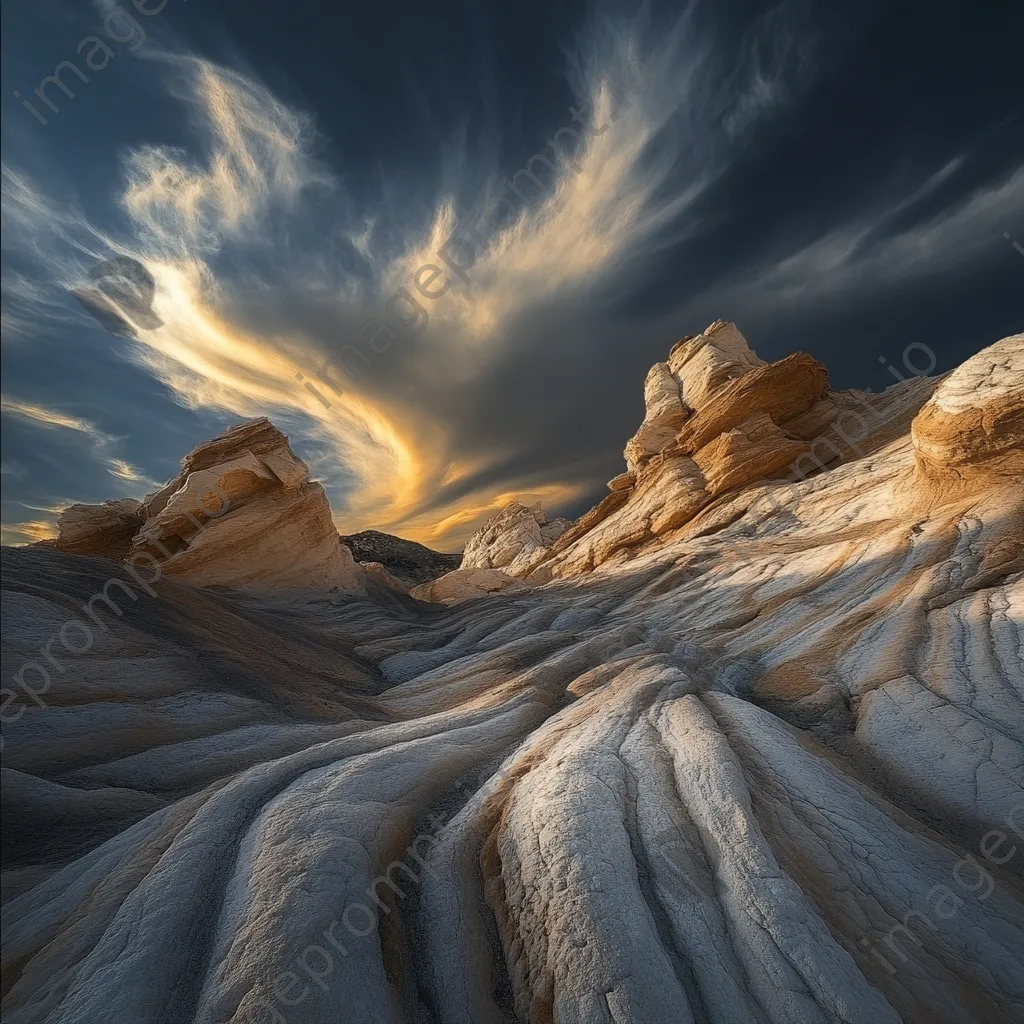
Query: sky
(835, 178)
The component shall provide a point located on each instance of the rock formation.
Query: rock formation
(513, 540)
(409, 562)
(105, 531)
(974, 421)
(466, 584)
(743, 744)
(242, 513)
(718, 419)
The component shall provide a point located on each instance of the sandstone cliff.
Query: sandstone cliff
(718, 421)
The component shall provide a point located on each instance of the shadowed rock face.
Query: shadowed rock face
(762, 765)
(105, 530)
(409, 562)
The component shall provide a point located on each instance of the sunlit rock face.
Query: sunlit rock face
(465, 584)
(974, 421)
(754, 752)
(243, 513)
(718, 420)
(513, 540)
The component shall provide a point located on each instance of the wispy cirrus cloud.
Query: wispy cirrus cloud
(47, 418)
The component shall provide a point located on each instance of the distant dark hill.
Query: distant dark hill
(410, 562)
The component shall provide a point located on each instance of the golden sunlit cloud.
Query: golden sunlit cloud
(31, 532)
(257, 159)
(47, 417)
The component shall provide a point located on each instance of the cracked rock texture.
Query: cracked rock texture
(742, 746)
(513, 540)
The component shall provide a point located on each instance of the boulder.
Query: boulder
(380, 570)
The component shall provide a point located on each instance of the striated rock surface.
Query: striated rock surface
(696, 370)
(465, 584)
(105, 531)
(242, 513)
(513, 540)
(974, 420)
(754, 449)
(755, 756)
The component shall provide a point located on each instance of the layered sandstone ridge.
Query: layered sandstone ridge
(974, 421)
(717, 418)
(762, 764)
(104, 531)
(243, 513)
(720, 421)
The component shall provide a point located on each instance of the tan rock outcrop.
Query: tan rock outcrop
(717, 418)
(379, 570)
(514, 540)
(782, 390)
(242, 513)
(665, 414)
(103, 531)
(751, 451)
(974, 422)
(466, 584)
(746, 422)
(696, 370)
(704, 363)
